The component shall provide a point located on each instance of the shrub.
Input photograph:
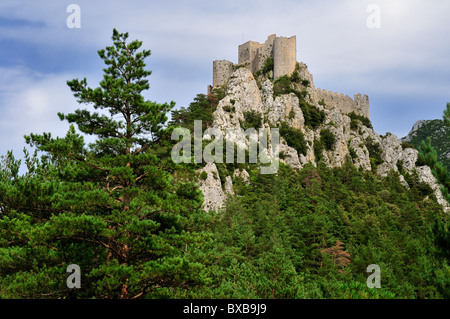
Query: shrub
(294, 138)
(295, 77)
(219, 92)
(268, 65)
(238, 66)
(227, 108)
(253, 119)
(400, 166)
(201, 108)
(352, 152)
(353, 124)
(428, 156)
(313, 116)
(282, 86)
(424, 189)
(364, 120)
(327, 138)
(406, 145)
(318, 149)
(333, 124)
(374, 152)
(203, 175)
(291, 114)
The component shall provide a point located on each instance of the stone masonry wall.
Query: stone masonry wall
(222, 70)
(252, 55)
(359, 105)
(247, 51)
(283, 51)
(284, 56)
(362, 104)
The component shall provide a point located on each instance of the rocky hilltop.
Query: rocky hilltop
(318, 126)
(439, 135)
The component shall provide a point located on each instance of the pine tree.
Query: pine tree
(200, 109)
(446, 115)
(428, 156)
(111, 207)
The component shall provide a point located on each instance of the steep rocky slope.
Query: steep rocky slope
(354, 139)
(439, 134)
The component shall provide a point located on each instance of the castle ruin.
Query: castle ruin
(253, 56)
(359, 104)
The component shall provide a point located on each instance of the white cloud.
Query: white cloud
(29, 104)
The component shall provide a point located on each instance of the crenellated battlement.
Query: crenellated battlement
(330, 95)
(253, 55)
(359, 104)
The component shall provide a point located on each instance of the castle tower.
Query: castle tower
(362, 104)
(284, 56)
(253, 56)
(222, 70)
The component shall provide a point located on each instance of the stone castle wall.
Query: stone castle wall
(247, 53)
(362, 104)
(359, 104)
(222, 70)
(253, 55)
(284, 56)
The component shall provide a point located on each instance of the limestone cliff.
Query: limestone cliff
(354, 140)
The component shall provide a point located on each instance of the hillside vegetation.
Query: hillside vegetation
(132, 219)
(438, 132)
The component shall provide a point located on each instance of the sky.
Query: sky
(395, 51)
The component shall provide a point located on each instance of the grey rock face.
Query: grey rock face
(425, 175)
(213, 194)
(241, 174)
(414, 129)
(229, 185)
(409, 159)
(243, 95)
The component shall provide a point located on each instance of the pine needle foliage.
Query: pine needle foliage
(112, 207)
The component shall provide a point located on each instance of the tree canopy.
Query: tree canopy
(111, 207)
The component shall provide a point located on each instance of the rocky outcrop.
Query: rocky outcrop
(211, 187)
(229, 185)
(409, 159)
(426, 176)
(243, 174)
(285, 108)
(439, 135)
(244, 94)
(414, 130)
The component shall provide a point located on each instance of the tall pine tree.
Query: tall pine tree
(111, 207)
(446, 115)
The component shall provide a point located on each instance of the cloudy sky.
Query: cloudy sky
(403, 63)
